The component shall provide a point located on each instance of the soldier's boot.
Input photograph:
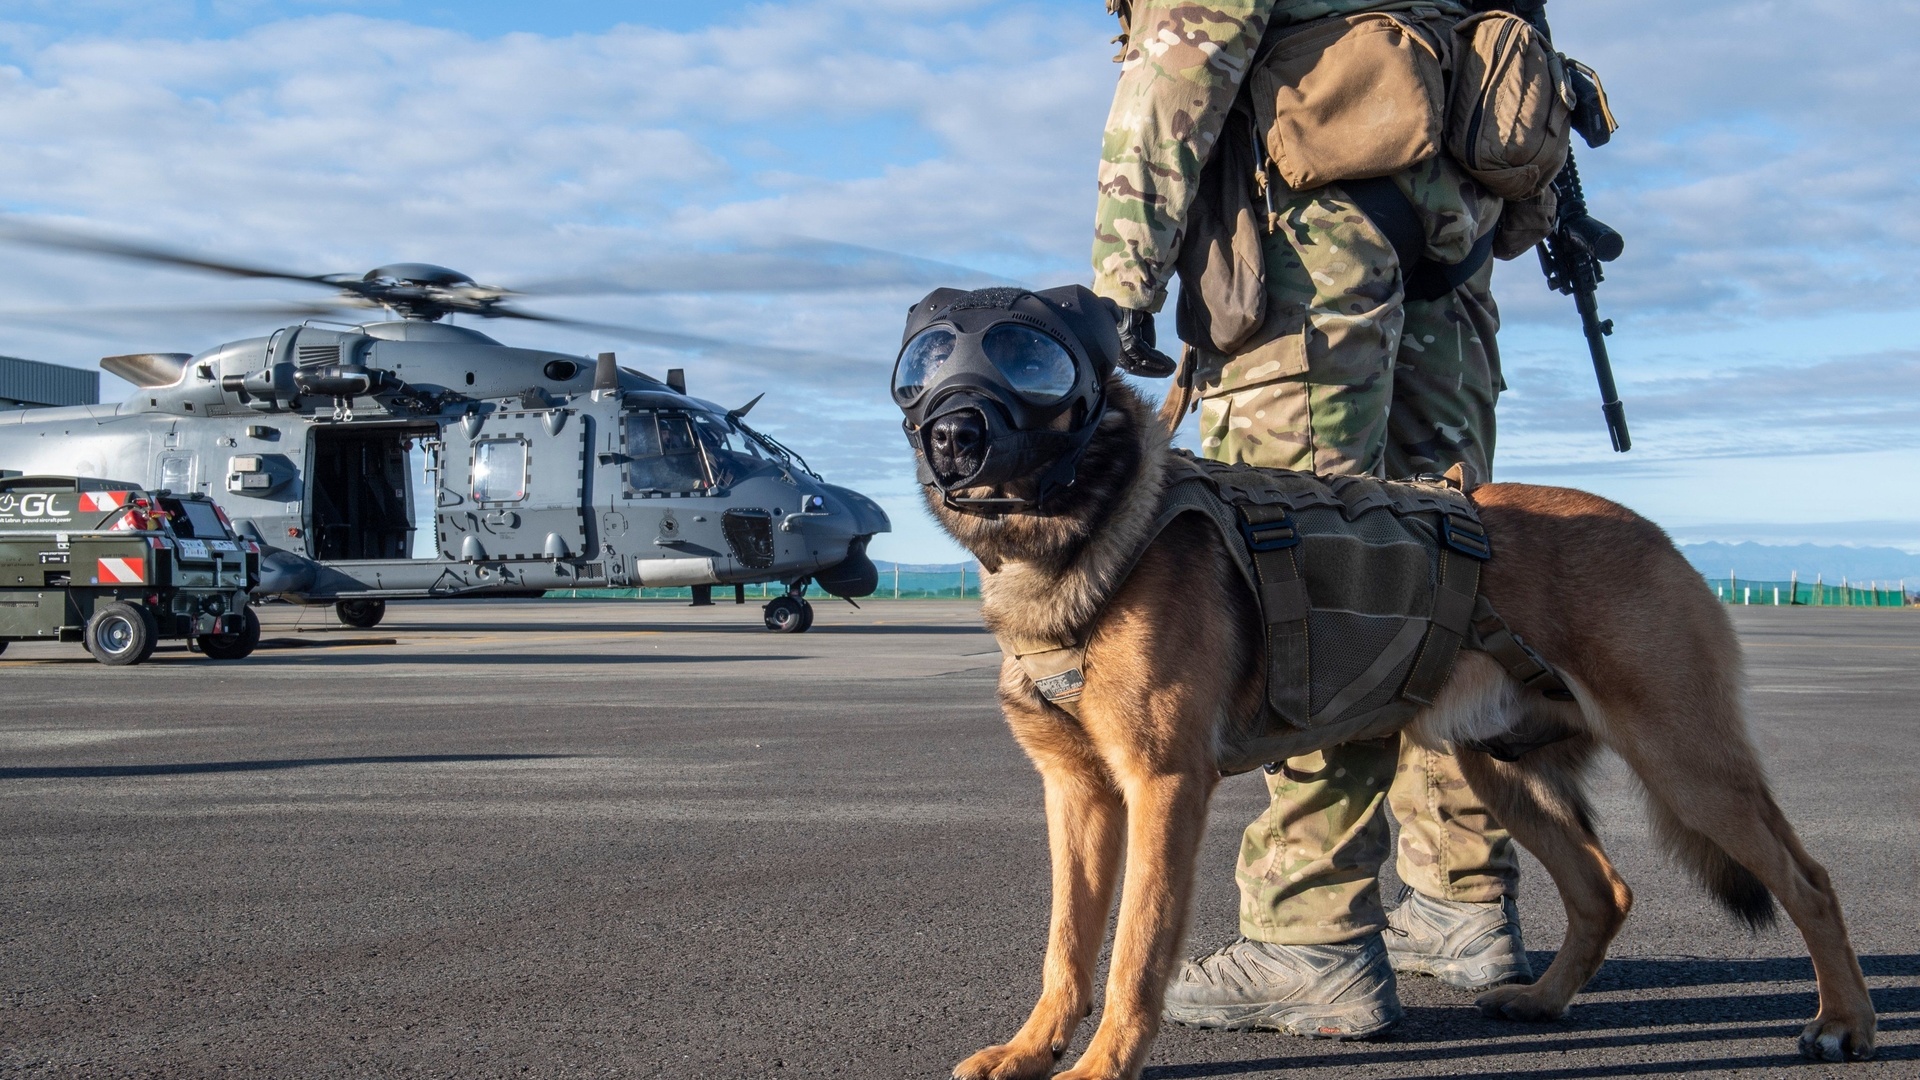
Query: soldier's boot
(1342, 991)
(1467, 946)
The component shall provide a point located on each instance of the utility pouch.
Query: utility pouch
(1222, 267)
(1509, 123)
(1350, 97)
(1524, 223)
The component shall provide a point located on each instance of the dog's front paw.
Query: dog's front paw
(1007, 1062)
(1529, 1003)
(1837, 1040)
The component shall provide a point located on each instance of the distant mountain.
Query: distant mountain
(1778, 562)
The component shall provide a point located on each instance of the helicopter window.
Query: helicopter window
(730, 452)
(500, 470)
(176, 472)
(663, 454)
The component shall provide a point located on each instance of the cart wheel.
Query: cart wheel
(233, 646)
(365, 614)
(121, 634)
(785, 615)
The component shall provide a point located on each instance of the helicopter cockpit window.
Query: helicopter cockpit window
(731, 454)
(662, 454)
(500, 470)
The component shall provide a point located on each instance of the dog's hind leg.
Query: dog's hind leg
(1085, 823)
(1166, 817)
(1541, 802)
(1712, 808)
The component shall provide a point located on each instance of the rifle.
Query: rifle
(1571, 255)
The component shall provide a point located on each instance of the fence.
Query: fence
(896, 583)
(963, 583)
(1795, 592)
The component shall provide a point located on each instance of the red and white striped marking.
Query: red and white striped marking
(102, 501)
(130, 521)
(123, 571)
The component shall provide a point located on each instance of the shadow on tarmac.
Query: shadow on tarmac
(754, 628)
(362, 658)
(1732, 1017)
(1630, 973)
(189, 768)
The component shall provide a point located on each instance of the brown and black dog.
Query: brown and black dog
(1174, 670)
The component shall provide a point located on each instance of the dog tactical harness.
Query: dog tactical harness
(1368, 589)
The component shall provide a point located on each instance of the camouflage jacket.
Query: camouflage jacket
(1180, 72)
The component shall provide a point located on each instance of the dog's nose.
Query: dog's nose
(958, 434)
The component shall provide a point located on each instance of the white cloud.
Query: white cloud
(1765, 161)
(1764, 170)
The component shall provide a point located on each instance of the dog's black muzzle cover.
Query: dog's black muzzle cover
(1004, 387)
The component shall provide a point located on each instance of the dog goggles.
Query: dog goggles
(1032, 364)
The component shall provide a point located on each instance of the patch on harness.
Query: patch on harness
(1062, 687)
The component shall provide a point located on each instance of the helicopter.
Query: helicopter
(327, 443)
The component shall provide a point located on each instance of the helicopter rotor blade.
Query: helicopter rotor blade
(665, 339)
(85, 320)
(748, 352)
(160, 311)
(57, 239)
(802, 265)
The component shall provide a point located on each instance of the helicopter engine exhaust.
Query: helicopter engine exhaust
(147, 370)
(338, 381)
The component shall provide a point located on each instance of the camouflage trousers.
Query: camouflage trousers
(1367, 384)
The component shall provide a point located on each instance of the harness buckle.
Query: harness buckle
(1465, 537)
(1276, 535)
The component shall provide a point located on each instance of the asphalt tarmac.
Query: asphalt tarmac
(554, 838)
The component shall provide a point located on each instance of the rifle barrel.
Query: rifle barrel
(1611, 407)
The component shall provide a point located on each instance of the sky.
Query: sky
(1763, 177)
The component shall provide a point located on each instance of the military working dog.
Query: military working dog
(1174, 665)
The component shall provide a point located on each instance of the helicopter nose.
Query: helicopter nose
(958, 441)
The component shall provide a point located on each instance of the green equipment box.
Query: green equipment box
(119, 569)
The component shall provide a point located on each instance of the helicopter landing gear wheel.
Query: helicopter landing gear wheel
(788, 615)
(233, 646)
(365, 614)
(122, 634)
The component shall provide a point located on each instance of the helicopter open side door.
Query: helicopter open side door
(513, 485)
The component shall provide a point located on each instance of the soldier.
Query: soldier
(1347, 373)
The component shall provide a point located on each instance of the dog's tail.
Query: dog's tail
(1732, 885)
(1731, 783)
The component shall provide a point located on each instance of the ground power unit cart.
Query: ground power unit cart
(119, 569)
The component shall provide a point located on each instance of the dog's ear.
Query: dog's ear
(922, 313)
(1092, 318)
(989, 563)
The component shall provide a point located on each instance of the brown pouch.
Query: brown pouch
(1509, 123)
(1222, 267)
(1350, 97)
(1524, 223)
